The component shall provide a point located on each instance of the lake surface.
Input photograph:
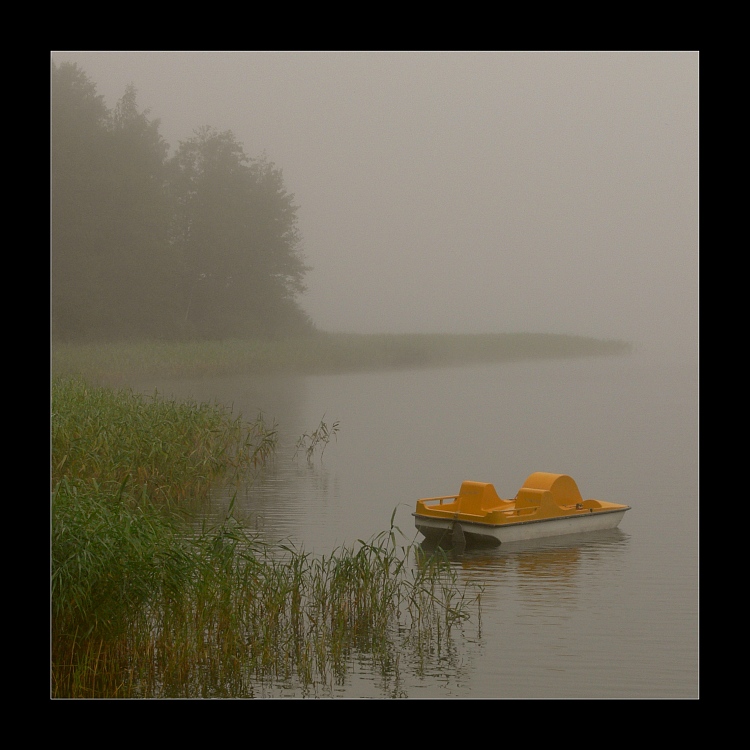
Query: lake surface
(607, 615)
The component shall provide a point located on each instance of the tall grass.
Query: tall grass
(144, 607)
(168, 449)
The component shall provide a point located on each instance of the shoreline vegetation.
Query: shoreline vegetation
(317, 354)
(144, 606)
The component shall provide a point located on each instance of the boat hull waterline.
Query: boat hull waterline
(547, 505)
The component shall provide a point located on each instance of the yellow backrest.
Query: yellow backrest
(529, 498)
(563, 488)
(477, 497)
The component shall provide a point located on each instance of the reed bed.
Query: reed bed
(318, 353)
(168, 449)
(144, 606)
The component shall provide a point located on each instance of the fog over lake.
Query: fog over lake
(478, 192)
(474, 191)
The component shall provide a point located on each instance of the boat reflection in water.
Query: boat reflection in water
(539, 570)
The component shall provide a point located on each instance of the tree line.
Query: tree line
(200, 244)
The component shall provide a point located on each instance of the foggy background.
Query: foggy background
(462, 192)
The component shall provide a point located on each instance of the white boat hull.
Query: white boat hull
(435, 528)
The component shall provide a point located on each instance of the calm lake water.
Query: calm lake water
(605, 615)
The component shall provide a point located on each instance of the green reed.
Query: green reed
(232, 613)
(279, 614)
(168, 448)
(144, 607)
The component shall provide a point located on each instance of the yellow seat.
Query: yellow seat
(476, 498)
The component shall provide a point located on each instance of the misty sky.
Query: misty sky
(462, 191)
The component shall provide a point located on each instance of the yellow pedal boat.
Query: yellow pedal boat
(546, 505)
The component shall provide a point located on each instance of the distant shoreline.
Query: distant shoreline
(321, 353)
